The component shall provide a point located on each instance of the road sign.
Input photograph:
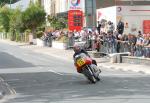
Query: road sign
(75, 20)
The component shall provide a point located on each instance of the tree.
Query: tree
(15, 19)
(52, 20)
(4, 18)
(15, 22)
(33, 17)
(57, 23)
(3, 2)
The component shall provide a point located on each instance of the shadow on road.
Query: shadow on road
(9, 61)
(51, 87)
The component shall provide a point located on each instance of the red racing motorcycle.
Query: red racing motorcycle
(85, 66)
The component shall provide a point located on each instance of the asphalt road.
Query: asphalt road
(39, 78)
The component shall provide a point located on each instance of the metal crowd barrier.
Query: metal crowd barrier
(138, 51)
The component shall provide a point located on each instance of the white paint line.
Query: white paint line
(1, 79)
(55, 72)
(12, 91)
(25, 54)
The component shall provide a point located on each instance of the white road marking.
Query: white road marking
(54, 72)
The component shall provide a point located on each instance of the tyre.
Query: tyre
(98, 78)
(89, 74)
(92, 79)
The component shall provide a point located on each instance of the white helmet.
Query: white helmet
(76, 48)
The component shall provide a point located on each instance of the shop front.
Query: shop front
(135, 18)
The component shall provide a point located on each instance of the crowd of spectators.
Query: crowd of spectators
(108, 41)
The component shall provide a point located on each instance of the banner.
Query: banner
(146, 26)
(75, 20)
(74, 4)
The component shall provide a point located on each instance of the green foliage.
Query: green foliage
(15, 20)
(27, 31)
(33, 16)
(41, 28)
(39, 34)
(1, 29)
(4, 18)
(15, 24)
(63, 39)
(18, 37)
(57, 23)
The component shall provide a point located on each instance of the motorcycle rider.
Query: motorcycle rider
(77, 49)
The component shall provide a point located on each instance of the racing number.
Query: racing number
(80, 62)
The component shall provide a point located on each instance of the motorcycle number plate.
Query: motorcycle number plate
(80, 62)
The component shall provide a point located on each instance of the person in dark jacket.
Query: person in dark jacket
(77, 49)
(120, 27)
(99, 27)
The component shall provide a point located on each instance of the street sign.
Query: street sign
(75, 20)
(75, 4)
(146, 26)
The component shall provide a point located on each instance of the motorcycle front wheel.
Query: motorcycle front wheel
(89, 75)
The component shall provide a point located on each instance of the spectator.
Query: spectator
(97, 44)
(83, 35)
(76, 35)
(139, 43)
(125, 43)
(119, 40)
(110, 27)
(99, 27)
(120, 27)
(49, 40)
(132, 42)
(146, 45)
(71, 39)
(89, 41)
(139, 32)
(45, 38)
(110, 42)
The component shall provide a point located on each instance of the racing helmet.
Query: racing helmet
(76, 48)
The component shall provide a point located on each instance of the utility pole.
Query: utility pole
(10, 3)
(93, 13)
(131, 2)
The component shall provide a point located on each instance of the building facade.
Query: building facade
(22, 4)
(133, 13)
(61, 7)
(108, 3)
(47, 5)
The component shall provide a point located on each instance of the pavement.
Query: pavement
(67, 55)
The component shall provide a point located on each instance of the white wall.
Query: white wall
(134, 10)
(108, 14)
(61, 6)
(47, 6)
(134, 16)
